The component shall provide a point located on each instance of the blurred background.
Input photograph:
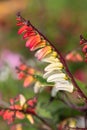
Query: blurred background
(62, 21)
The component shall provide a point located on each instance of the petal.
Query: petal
(38, 45)
(24, 28)
(22, 67)
(28, 34)
(37, 87)
(31, 71)
(65, 86)
(28, 80)
(20, 23)
(56, 77)
(21, 75)
(49, 73)
(30, 118)
(33, 40)
(22, 99)
(50, 59)
(54, 66)
(43, 52)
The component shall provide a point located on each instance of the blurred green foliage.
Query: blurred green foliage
(62, 21)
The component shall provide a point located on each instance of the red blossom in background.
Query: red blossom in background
(74, 57)
(83, 43)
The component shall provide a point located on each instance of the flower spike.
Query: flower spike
(48, 51)
(45, 52)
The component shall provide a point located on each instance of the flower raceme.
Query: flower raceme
(54, 71)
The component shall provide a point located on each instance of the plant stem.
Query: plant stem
(85, 119)
(40, 118)
(24, 112)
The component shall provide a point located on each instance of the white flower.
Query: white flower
(56, 77)
(49, 73)
(62, 85)
(38, 87)
(54, 72)
(54, 66)
(50, 59)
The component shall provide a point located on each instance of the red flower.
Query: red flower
(24, 29)
(8, 115)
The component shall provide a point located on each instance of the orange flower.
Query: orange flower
(38, 45)
(40, 54)
(28, 80)
(33, 40)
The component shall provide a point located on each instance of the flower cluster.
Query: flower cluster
(45, 52)
(25, 108)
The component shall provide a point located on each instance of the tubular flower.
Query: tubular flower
(54, 71)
